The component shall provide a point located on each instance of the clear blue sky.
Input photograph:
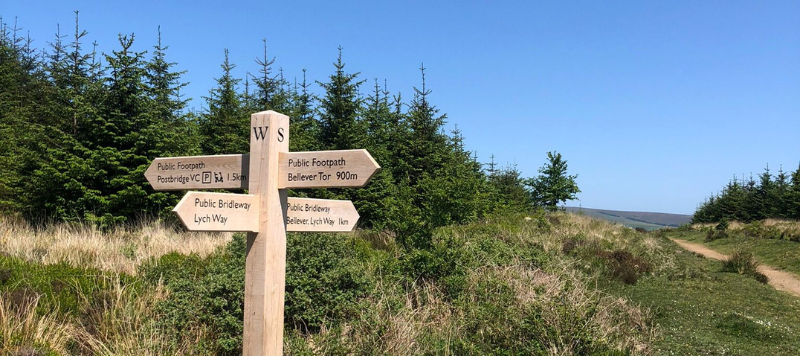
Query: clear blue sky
(655, 105)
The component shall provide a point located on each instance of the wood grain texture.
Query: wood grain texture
(326, 169)
(201, 211)
(321, 215)
(199, 172)
(265, 270)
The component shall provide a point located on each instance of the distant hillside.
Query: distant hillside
(634, 219)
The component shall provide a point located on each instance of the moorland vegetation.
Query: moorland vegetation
(450, 258)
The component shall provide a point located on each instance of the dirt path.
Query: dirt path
(780, 280)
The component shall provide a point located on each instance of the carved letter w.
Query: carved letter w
(260, 132)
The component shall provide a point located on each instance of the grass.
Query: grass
(120, 250)
(762, 239)
(554, 284)
(702, 310)
(23, 331)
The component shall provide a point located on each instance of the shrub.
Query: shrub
(716, 234)
(571, 243)
(743, 262)
(626, 267)
(757, 229)
(619, 264)
(324, 280)
(68, 290)
(722, 226)
(323, 284)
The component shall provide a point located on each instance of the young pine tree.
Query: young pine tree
(427, 147)
(794, 195)
(164, 90)
(339, 109)
(304, 127)
(553, 185)
(225, 124)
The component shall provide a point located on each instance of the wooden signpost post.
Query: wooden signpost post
(266, 214)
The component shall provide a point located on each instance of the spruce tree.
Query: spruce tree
(767, 194)
(510, 192)
(271, 92)
(427, 146)
(225, 125)
(753, 204)
(380, 193)
(794, 195)
(339, 110)
(15, 110)
(132, 133)
(400, 137)
(304, 127)
(781, 194)
(378, 119)
(167, 106)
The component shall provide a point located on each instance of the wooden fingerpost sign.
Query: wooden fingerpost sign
(266, 214)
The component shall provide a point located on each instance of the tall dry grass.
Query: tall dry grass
(23, 332)
(782, 224)
(119, 250)
(789, 227)
(124, 323)
(767, 227)
(424, 321)
(420, 319)
(552, 231)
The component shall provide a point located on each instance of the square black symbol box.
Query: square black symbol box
(206, 177)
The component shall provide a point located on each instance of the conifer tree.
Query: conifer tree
(339, 109)
(509, 187)
(164, 89)
(750, 200)
(271, 91)
(753, 204)
(781, 194)
(81, 133)
(377, 119)
(767, 194)
(427, 142)
(131, 133)
(794, 195)
(378, 200)
(304, 126)
(731, 202)
(553, 185)
(49, 157)
(492, 165)
(225, 125)
(16, 80)
(400, 140)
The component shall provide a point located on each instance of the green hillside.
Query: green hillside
(538, 284)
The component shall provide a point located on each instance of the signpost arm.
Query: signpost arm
(265, 269)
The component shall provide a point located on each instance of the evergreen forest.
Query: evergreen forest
(78, 129)
(771, 196)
